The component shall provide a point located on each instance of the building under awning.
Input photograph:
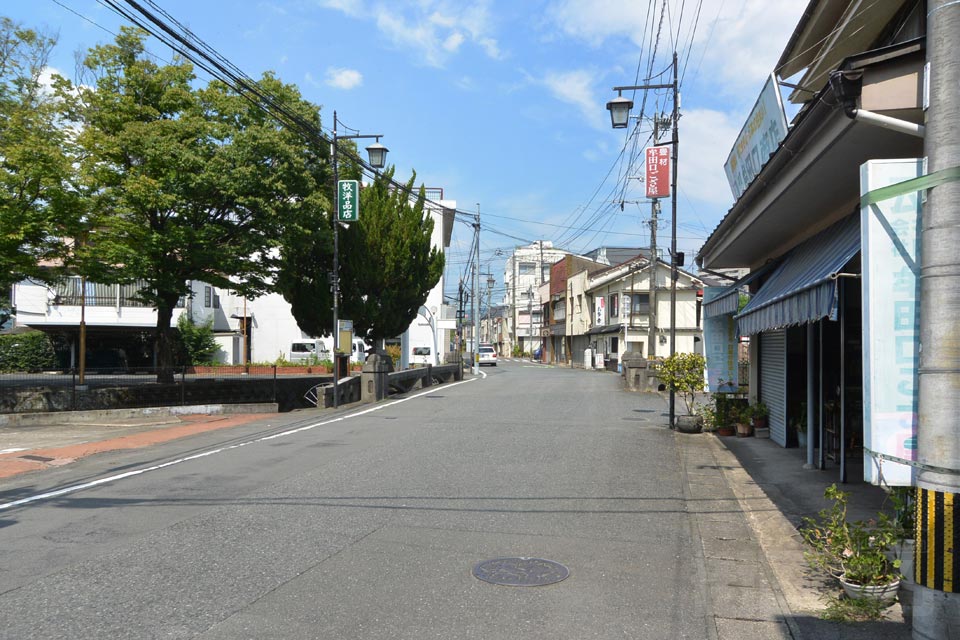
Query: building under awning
(803, 288)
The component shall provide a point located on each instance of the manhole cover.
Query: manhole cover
(521, 572)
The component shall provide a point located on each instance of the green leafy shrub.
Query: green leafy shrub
(32, 351)
(855, 550)
(684, 373)
(198, 342)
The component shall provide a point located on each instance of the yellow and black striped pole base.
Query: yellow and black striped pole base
(937, 557)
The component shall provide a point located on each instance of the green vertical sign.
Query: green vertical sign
(348, 200)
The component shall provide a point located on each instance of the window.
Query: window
(527, 269)
(207, 297)
(216, 301)
(640, 303)
(579, 303)
(545, 273)
(536, 317)
(614, 344)
(614, 305)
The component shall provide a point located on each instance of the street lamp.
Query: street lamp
(378, 155)
(619, 116)
(619, 109)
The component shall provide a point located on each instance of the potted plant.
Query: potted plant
(742, 417)
(724, 415)
(683, 372)
(800, 425)
(708, 416)
(759, 413)
(854, 552)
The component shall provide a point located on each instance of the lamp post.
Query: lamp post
(619, 109)
(377, 154)
(430, 314)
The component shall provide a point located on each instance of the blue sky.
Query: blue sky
(499, 102)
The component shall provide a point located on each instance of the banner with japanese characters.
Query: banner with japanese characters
(658, 172)
(890, 237)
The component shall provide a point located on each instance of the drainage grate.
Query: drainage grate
(521, 572)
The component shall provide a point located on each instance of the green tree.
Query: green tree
(39, 207)
(198, 342)
(387, 266)
(188, 184)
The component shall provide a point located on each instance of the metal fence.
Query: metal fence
(117, 389)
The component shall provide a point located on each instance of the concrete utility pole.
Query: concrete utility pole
(936, 608)
(476, 294)
(673, 233)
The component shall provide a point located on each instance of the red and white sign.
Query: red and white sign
(658, 172)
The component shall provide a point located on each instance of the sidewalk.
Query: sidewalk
(57, 439)
(747, 496)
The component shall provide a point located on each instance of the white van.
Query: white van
(309, 351)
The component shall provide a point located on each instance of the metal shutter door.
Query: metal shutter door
(773, 381)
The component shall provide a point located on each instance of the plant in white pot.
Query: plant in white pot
(683, 372)
(854, 552)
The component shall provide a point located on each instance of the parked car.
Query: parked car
(488, 356)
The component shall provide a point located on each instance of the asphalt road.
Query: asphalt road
(367, 523)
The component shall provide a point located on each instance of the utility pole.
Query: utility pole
(619, 109)
(476, 294)
(530, 318)
(673, 234)
(652, 336)
(513, 306)
(936, 607)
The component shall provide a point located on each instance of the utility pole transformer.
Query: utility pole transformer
(936, 613)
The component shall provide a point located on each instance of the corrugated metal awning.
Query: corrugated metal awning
(727, 302)
(803, 288)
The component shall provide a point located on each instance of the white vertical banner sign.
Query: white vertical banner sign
(720, 347)
(890, 236)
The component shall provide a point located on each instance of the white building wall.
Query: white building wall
(428, 329)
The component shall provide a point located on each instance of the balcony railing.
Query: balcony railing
(74, 292)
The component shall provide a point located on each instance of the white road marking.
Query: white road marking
(14, 450)
(197, 456)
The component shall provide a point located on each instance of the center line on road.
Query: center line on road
(204, 454)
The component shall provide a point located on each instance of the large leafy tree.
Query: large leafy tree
(188, 183)
(39, 206)
(387, 266)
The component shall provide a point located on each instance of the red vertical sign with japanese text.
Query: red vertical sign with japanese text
(658, 172)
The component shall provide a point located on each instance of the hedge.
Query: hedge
(31, 351)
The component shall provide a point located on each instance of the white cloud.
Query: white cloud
(434, 30)
(576, 88)
(706, 137)
(343, 78)
(453, 42)
(738, 44)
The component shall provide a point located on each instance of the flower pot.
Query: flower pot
(689, 423)
(759, 422)
(726, 431)
(761, 432)
(885, 593)
(744, 430)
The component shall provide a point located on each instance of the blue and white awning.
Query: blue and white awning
(804, 287)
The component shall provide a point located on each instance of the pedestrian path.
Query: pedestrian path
(757, 580)
(58, 443)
